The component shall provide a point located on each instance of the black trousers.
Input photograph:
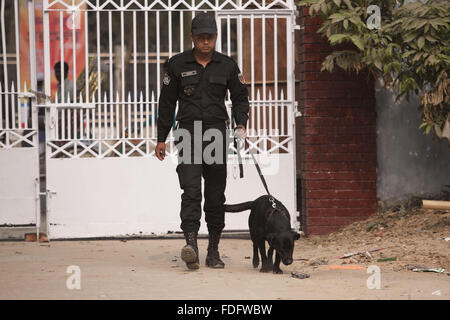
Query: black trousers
(190, 173)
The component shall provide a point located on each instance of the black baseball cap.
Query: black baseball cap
(203, 23)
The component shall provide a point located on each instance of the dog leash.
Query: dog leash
(232, 125)
(258, 168)
(263, 180)
(271, 198)
(241, 166)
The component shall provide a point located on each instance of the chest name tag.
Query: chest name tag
(188, 73)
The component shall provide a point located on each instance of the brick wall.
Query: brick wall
(336, 139)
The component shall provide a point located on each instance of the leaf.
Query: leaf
(324, 7)
(335, 18)
(337, 2)
(421, 42)
(410, 36)
(356, 21)
(378, 64)
(357, 41)
(348, 3)
(417, 56)
(337, 38)
(420, 24)
(397, 66)
(430, 38)
(328, 64)
(438, 130)
(408, 53)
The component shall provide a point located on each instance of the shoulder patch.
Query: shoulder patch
(166, 79)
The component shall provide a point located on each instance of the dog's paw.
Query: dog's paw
(277, 271)
(266, 266)
(255, 263)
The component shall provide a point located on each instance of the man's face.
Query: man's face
(204, 42)
(58, 74)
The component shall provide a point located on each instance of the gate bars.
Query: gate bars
(124, 55)
(18, 122)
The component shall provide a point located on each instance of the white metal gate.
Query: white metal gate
(101, 171)
(19, 145)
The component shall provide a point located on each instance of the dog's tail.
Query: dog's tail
(238, 207)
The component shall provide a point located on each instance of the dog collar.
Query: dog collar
(272, 200)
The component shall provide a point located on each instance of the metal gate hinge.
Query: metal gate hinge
(296, 112)
(47, 193)
(299, 27)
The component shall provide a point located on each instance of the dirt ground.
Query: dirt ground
(152, 269)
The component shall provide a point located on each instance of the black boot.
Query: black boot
(213, 257)
(189, 253)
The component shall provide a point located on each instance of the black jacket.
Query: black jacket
(201, 92)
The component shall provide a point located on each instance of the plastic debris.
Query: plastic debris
(299, 275)
(437, 270)
(387, 259)
(437, 293)
(319, 261)
(348, 255)
(415, 266)
(351, 261)
(447, 239)
(346, 267)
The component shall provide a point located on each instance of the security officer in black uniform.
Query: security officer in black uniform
(198, 79)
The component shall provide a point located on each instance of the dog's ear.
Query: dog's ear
(296, 235)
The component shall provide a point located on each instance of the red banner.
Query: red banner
(71, 24)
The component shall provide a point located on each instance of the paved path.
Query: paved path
(152, 269)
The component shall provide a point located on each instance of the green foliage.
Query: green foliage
(410, 52)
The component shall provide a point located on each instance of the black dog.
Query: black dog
(269, 220)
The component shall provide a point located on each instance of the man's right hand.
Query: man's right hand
(160, 150)
(240, 132)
